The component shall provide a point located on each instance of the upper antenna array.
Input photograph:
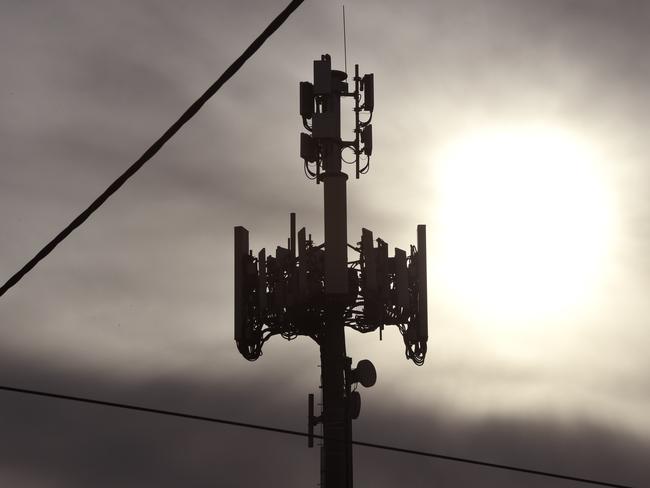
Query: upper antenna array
(345, 44)
(320, 104)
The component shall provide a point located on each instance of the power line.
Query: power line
(304, 434)
(156, 146)
(489, 465)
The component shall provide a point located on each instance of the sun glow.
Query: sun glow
(523, 223)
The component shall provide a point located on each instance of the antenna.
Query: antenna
(345, 44)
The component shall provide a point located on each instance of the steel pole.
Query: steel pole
(337, 463)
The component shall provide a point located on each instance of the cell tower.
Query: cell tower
(314, 290)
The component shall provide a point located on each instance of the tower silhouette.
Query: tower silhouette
(314, 290)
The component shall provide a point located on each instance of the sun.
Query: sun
(523, 222)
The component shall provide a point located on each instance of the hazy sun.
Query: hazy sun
(523, 222)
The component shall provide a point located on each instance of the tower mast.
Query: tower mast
(313, 290)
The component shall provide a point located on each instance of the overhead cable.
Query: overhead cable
(155, 147)
(247, 425)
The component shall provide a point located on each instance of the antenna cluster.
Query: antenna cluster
(325, 117)
(285, 294)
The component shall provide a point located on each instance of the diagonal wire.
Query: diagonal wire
(304, 434)
(155, 147)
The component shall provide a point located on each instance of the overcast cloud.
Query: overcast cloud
(136, 305)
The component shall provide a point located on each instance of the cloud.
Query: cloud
(143, 290)
(48, 442)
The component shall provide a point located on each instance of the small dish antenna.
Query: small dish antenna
(365, 373)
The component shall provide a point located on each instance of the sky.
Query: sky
(513, 128)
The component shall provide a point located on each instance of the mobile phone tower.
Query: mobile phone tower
(315, 290)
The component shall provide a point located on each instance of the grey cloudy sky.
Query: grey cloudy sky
(136, 306)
